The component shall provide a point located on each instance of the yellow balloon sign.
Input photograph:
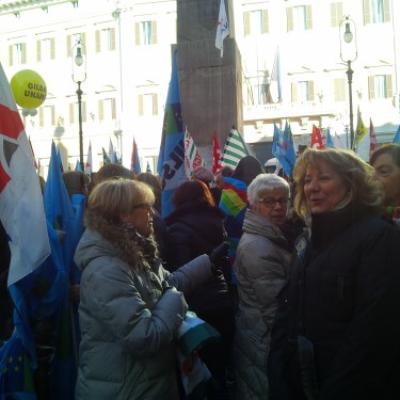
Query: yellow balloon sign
(29, 89)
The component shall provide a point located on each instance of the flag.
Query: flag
(192, 156)
(316, 138)
(78, 166)
(171, 166)
(33, 154)
(112, 154)
(222, 28)
(135, 162)
(329, 139)
(88, 168)
(106, 158)
(234, 150)
(372, 138)
(216, 166)
(283, 148)
(20, 195)
(396, 138)
(275, 82)
(362, 140)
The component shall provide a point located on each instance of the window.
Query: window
(107, 109)
(299, 18)
(146, 32)
(105, 39)
(380, 87)
(376, 11)
(17, 53)
(336, 14)
(148, 104)
(302, 91)
(73, 112)
(255, 22)
(47, 116)
(45, 49)
(339, 89)
(73, 39)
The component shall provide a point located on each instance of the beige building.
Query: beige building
(127, 47)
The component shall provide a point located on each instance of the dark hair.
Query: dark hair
(191, 191)
(226, 171)
(75, 182)
(247, 169)
(110, 171)
(392, 149)
(154, 182)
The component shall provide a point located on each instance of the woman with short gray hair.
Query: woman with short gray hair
(261, 265)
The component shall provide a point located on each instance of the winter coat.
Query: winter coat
(128, 326)
(261, 267)
(339, 312)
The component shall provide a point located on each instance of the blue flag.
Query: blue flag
(329, 139)
(283, 148)
(171, 166)
(396, 138)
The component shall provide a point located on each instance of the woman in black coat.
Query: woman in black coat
(196, 227)
(336, 334)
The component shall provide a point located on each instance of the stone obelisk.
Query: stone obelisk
(211, 86)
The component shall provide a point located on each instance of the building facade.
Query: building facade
(291, 65)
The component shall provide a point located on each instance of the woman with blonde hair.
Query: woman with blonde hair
(336, 334)
(130, 307)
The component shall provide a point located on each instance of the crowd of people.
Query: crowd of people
(300, 276)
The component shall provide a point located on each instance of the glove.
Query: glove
(218, 256)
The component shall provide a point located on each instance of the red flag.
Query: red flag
(316, 138)
(373, 143)
(21, 199)
(216, 154)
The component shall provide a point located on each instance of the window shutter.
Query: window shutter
(246, 23)
(10, 54)
(98, 43)
(101, 110)
(52, 48)
(294, 92)
(137, 33)
(386, 15)
(264, 21)
(140, 104)
(367, 12)
(389, 86)
(339, 89)
(71, 113)
(155, 103)
(371, 87)
(308, 17)
(23, 51)
(38, 50)
(153, 32)
(112, 39)
(310, 91)
(289, 18)
(83, 41)
(69, 45)
(84, 111)
(339, 13)
(53, 115)
(113, 109)
(41, 119)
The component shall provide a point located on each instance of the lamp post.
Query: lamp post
(348, 54)
(79, 76)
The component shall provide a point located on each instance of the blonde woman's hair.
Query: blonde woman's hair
(114, 197)
(355, 173)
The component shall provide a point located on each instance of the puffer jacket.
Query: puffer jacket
(128, 326)
(261, 267)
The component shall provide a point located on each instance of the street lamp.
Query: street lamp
(348, 54)
(79, 76)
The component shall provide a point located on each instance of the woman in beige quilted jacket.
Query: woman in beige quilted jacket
(261, 266)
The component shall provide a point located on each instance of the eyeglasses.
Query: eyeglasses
(270, 202)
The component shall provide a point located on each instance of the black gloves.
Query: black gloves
(218, 256)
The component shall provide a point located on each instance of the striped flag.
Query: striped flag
(235, 149)
(216, 166)
(192, 156)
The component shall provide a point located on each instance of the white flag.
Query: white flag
(192, 156)
(21, 200)
(234, 150)
(89, 160)
(222, 28)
